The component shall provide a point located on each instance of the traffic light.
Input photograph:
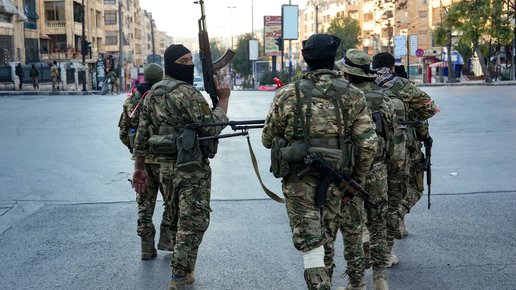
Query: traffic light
(86, 46)
(279, 43)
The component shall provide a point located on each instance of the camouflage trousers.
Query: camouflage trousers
(190, 201)
(312, 226)
(376, 185)
(397, 187)
(351, 226)
(147, 202)
(415, 178)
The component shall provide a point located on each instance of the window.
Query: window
(110, 18)
(5, 17)
(29, 9)
(6, 49)
(31, 50)
(109, 2)
(77, 12)
(54, 11)
(111, 38)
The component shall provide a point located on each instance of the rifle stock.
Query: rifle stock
(210, 69)
(330, 174)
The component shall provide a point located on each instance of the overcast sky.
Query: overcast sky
(178, 18)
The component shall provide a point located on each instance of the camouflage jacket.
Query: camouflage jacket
(281, 118)
(385, 148)
(156, 112)
(419, 106)
(129, 120)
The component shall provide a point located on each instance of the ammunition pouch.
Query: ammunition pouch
(348, 152)
(189, 155)
(279, 167)
(163, 144)
(334, 156)
(209, 148)
(132, 135)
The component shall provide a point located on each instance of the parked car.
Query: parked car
(198, 83)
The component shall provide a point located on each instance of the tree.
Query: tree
(480, 22)
(348, 30)
(241, 62)
(216, 52)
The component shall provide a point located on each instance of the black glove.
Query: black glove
(428, 141)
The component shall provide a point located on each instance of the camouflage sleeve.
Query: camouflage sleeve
(363, 133)
(142, 134)
(421, 106)
(275, 122)
(196, 109)
(124, 124)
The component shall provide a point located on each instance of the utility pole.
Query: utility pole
(152, 37)
(120, 47)
(83, 45)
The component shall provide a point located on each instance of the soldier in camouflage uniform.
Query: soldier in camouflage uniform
(318, 113)
(355, 67)
(146, 200)
(167, 127)
(406, 188)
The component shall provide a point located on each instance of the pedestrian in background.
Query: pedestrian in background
(113, 80)
(19, 72)
(54, 75)
(34, 75)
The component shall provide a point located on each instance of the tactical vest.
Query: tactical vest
(176, 137)
(289, 156)
(397, 142)
(375, 100)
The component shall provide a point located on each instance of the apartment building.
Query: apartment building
(117, 31)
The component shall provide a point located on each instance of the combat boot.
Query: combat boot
(178, 282)
(366, 247)
(391, 260)
(361, 285)
(165, 241)
(380, 279)
(148, 250)
(403, 228)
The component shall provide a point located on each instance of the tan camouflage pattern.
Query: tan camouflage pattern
(189, 191)
(406, 176)
(311, 226)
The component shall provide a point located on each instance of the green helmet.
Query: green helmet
(152, 73)
(356, 62)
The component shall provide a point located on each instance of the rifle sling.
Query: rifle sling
(255, 166)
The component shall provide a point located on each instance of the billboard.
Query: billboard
(271, 30)
(289, 14)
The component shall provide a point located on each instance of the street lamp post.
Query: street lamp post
(230, 69)
(83, 47)
(316, 4)
(152, 38)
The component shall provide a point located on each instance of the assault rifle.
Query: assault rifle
(329, 174)
(242, 126)
(210, 69)
(428, 165)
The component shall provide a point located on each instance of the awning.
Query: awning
(439, 64)
(7, 6)
(44, 37)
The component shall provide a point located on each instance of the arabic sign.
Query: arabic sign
(272, 30)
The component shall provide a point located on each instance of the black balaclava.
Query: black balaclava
(182, 72)
(319, 51)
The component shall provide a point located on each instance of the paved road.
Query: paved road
(68, 216)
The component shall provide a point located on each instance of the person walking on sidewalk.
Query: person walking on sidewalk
(54, 75)
(146, 200)
(167, 127)
(34, 75)
(113, 80)
(19, 72)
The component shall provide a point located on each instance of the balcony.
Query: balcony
(56, 24)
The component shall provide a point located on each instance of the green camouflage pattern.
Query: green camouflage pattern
(351, 224)
(146, 200)
(311, 226)
(190, 191)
